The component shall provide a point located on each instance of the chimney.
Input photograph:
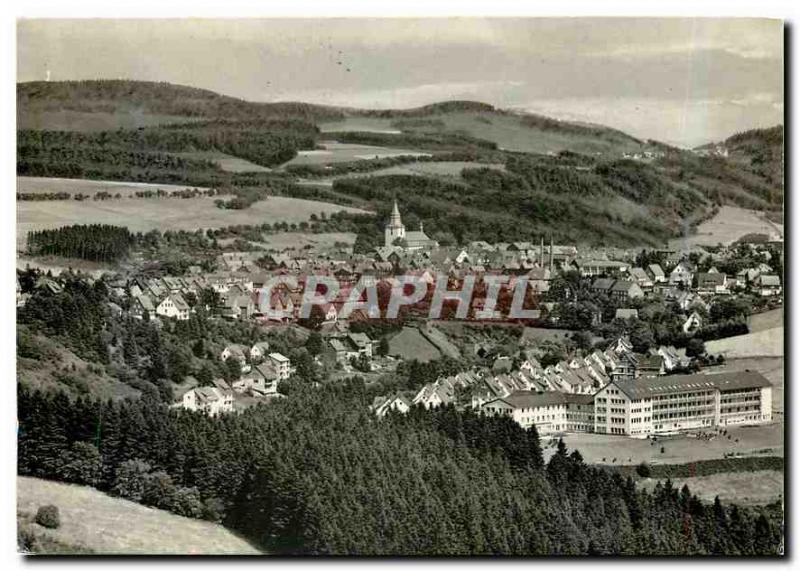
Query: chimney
(551, 253)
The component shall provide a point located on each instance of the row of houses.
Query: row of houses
(578, 376)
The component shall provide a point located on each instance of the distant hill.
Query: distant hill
(582, 182)
(131, 104)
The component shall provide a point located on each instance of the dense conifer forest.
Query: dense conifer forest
(317, 473)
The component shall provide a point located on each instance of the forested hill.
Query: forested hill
(40, 104)
(760, 151)
(581, 182)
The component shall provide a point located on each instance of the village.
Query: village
(566, 288)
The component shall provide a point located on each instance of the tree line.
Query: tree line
(94, 242)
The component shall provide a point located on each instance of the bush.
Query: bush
(187, 502)
(81, 464)
(47, 516)
(131, 479)
(643, 470)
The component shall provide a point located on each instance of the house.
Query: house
(692, 323)
(656, 273)
(640, 276)
(383, 405)
(673, 358)
(602, 285)
(237, 352)
(259, 350)
(265, 377)
(600, 267)
(681, 274)
(239, 306)
(626, 289)
(767, 285)
(174, 307)
(712, 283)
(208, 400)
(281, 364)
(142, 304)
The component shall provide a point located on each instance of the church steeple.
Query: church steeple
(395, 228)
(394, 219)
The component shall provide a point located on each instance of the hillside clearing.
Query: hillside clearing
(113, 526)
(335, 152)
(744, 488)
(228, 163)
(411, 344)
(729, 224)
(71, 120)
(143, 215)
(42, 185)
(764, 343)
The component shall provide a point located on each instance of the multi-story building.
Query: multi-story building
(656, 405)
(281, 364)
(550, 412)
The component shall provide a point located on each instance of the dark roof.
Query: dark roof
(650, 386)
(532, 399)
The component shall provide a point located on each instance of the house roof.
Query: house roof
(651, 386)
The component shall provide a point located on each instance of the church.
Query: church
(414, 240)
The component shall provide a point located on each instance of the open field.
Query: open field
(766, 320)
(730, 224)
(334, 152)
(508, 131)
(362, 124)
(107, 525)
(142, 215)
(765, 343)
(443, 168)
(298, 240)
(41, 185)
(226, 162)
(411, 344)
(764, 440)
(745, 488)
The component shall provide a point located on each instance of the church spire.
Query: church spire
(394, 220)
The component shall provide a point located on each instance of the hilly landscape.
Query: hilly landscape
(465, 169)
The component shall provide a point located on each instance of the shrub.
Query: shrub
(47, 516)
(643, 470)
(81, 464)
(159, 491)
(187, 502)
(131, 479)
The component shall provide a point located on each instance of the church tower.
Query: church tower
(395, 228)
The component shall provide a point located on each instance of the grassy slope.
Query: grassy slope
(94, 521)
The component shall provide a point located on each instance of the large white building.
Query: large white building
(550, 412)
(657, 405)
(644, 406)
